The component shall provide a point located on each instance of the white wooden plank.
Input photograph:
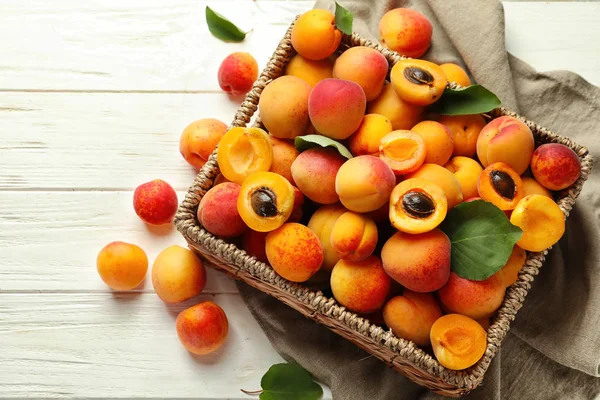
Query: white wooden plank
(122, 346)
(49, 241)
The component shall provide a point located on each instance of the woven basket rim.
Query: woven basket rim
(429, 372)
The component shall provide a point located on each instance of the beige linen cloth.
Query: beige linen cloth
(553, 348)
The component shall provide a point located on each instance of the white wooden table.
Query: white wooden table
(93, 98)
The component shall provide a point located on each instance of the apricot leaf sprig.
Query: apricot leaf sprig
(343, 19)
(288, 381)
(309, 141)
(482, 239)
(474, 99)
(222, 28)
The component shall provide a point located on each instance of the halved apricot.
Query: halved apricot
(542, 222)
(266, 201)
(243, 151)
(458, 341)
(403, 151)
(418, 82)
(417, 206)
(500, 185)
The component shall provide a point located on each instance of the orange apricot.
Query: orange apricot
(500, 185)
(444, 179)
(405, 31)
(531, 186)
(366, 139)
(155, 202)
(403, 151)
(365, 66)
(315, 171)
(354, 236)
(178, 274)
(218, 212)
(542, 222)
(456, 74)
(199, 139)
(475, 299)
(321, 223)
(412, 315)
(237, 73)
(418, 82)
(243, 151)
(202, 328)
(439, 144)
(122, 266)
(510, 270)
(465, 130)
(467, 172)
(284, 154)
(311, 71)
(458, 341)
(315, 36)
(417, 206)
(401, 114)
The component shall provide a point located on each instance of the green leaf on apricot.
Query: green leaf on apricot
(288, 381)
(474, 99)
(222, 28)
(482, 239)
(309, 141)
(343, 19)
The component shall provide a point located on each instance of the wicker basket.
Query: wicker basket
(402, 355)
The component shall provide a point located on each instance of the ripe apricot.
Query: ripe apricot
(401, 114)
(298, 209)
(155, 202)
(311, 71)
(122, 266)
(321, 223)
(315, 171)
(465, 130)
(444, 179)
(420, 263)
(314, 35)
(237, 73)
(403, 151)
(417, 206)
(199, 139)
(283, 107)
(467, 171)
(456, 74)
(243, 151)
(542, 222)
(365, 66)
(439, 144)
(366, 139)
(361, 286)
(418, 82)
(458, 341)
(531, 186)
(254, 243)
(266, 201)
(284, 154)
(510, 271)
(202, 328)
(500, 185)
(475, 299)
(411, 316)
(405, 31)
(555, 166)
(508, 140)
(178, 274)
(354, 236)
(294, 251)
(336, 107)
(218, 212)
(364, 183)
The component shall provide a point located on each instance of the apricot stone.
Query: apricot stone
(354, 236)
(155, 202)
(218, 213)
(439, 144)
(444, 179)
(294, 251)
(122, 266)
(314, 35)
(555, 166)
(336, 107)
(401, 114)
(412, 315)
(361, 286)
(366, 139)
(178, 274)
(284, 154)
(199, 139)
(465, 130)
(405, 31)
(507, 140)
(467, 172)
(542, 222)
(365, 66)
(315, 171)
(364, 183)
(475, 299)
(321, 223)
(420, 263)
(311, 71)
(237, 73)
(283, 107)
(458, 341)
(202, 328)
(456, 74)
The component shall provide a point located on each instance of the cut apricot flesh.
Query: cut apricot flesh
(458, 341)
(243, 151)
(403, 151)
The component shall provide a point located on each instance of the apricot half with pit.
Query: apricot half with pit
(418, 82)
(417, 206)
(243, 151)
(266, 201)
(500, 185)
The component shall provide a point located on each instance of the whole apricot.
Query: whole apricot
(401, 114)
(315, 171)
(366, 139)
(456, 74)
(439, 144)
(237, 73)
(444, 179)
(254, 243)
(284, 154)
(314, 35)
(311, 71)
(411, 315)
(555, 166)
(365, 66)
(336, 107)
(321, 223)
(298, 209)
(420, 263)
(542, 222)
(531, 186)
(465, 130)
(283, 107)
(244, 151)
(354, 236)
(458, 341)
(467, 172)
(178, 274)
(418, 82)
(510, 270)
(199, 139)
(218, 213)
(361, 286)
(405, 31)
(475, 299)
(202, 328)
(155, 202)
(122, 266)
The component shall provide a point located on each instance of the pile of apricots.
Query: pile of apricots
(367, 228)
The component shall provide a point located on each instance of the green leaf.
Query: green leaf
(222, 28)
(474, 99)
(343, 19)
(482, 239)
(289, 381)
(309, 141)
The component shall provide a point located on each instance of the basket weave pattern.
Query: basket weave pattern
(402, 355)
